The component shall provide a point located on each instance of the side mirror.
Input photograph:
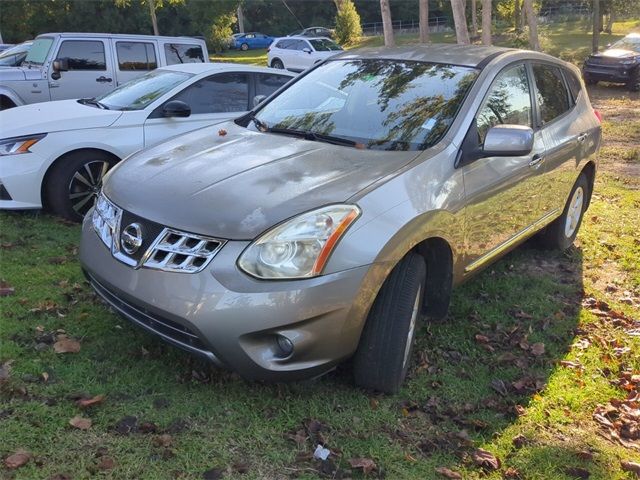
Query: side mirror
(61, 65)
(306, 50)
(508, 141)
(176, 108)
(608, 45)
(257, 100)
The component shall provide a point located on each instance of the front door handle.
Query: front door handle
(104, 79)
(582, 137)
(536, 161)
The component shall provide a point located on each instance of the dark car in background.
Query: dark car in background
(619, 63)
(14, 56)
(313, 32)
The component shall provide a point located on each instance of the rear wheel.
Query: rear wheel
(71, 187)
(382, 359)
(561, 233)
(244, 47)
(277, 63)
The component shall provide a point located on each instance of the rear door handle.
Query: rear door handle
(104, 79)
(536, 161)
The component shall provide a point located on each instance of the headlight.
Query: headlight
(16, 145)
(299, 247)
(628, 62)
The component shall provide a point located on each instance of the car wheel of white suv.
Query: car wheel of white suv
(75, 180)
(277, 63)
(384, 353)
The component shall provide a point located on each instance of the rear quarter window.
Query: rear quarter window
(575, 87)
(183, 53)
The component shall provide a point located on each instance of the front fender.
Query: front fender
(11, 95)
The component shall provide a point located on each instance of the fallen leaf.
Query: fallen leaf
(80, 423)
(18, 459)
(6, 289)
(485, 459)
(57, 260)
(537, 349)
(577, 472)
(213, 474)
(499, 386)
(366, 464)
(126, 425)
(106, 463)
(88, 402)
(66, 345)
(5, 371)
(222, 132)
(630, 467)
(445, 472)
(519, 441)
(163, 440)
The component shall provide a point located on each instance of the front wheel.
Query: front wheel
(244, 47)
(588, 79)
(561, 233)
(382, 359)
(633, 85)
(76, 178)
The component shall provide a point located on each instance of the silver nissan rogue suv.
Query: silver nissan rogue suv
(321, 225)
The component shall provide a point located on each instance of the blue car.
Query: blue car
(245, 41)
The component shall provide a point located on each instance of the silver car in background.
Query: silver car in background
(322, 224)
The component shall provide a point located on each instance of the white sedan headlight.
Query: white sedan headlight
(299, 247)
(16, 145)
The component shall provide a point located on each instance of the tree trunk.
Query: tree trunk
(610, 20)
(596, 26)
(517, 16)
(240, 19)
(486, 22)
(474, 19)
(532, 21)
(424, 21)
(462, 34)
(154, 20)
(387, 24)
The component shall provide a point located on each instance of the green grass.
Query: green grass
(447, 407)
(569, 41)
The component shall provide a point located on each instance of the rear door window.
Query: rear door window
(551, 95)
(136, 56)
(221, 93)
(575, 87)
(183, 53)
(83, 54)
(508, 102)
(267, 83)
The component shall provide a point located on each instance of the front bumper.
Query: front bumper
(232, 319)
(609, 73)
(21, 176)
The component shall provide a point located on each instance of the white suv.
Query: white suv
(299, 53)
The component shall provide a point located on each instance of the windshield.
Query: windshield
(378, 104)
(11, 55)
(39, 50)
(628, 43)
(140, 92)
(324, 45)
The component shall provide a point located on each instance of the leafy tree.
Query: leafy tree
(348, 28)
(153, 5)
(221, 31)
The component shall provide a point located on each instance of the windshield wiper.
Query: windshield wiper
(313, 136)
(93, 101)
(260, 125)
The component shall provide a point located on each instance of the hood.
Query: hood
(15, 74)
(238, 184)
(48, 117)
(617, 53)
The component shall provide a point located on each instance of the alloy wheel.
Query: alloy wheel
(574, 212)
(85, 185)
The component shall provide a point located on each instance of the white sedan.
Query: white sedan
(55, 154)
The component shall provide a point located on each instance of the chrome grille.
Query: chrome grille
(176, 251)
(170, 250)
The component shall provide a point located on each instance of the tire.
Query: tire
(633, 85)
(588, 80)
(384, 352)
(6, 103)
(244, 47)
(70, 195)
(560, 234)
(277, 63)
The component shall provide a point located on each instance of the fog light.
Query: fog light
(284, 346)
